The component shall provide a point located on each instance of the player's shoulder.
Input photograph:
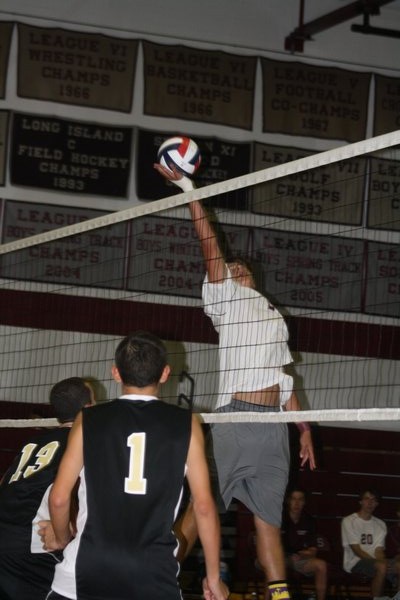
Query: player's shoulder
(48, 435)
(178, 414)
(101, 407)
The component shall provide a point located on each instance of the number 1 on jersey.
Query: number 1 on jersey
(136, 483)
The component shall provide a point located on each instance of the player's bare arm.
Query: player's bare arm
(215, 262)
(306, 443)
(380, 553)
(60, 494)
(358, 551)
(205, 513)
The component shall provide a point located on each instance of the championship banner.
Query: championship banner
(70, 156)
(166, 256)
(387, 104)
(6, 30)
(199, 85)
(383, 277)
(220, 160)
(321, 102)
(310, 271)
(384, 194)
(332, 193)
(3, 144)
(94, 258)
(79, 68)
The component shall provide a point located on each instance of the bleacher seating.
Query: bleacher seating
(349, 461)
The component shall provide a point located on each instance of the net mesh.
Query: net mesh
(322, 231)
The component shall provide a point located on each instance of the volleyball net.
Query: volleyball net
(322, 231)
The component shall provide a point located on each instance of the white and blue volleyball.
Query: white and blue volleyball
(181, 152)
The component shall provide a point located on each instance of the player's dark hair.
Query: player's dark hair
(140, 359)
(254, 268)
(246, 262)
(68, 397)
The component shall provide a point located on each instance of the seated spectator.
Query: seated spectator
(363, 539)
(299, 538)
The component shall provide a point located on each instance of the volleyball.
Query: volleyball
(181, 152)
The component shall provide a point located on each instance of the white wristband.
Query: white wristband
(185, 184)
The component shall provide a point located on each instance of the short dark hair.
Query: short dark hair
(254, 268)
(140, 359)
(68, 397)
(293, 489)
(370, 491)
(245, 262)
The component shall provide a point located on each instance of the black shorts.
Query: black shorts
(54, 596)
(26, 576)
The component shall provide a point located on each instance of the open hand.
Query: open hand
(172, 173)
(307, 450)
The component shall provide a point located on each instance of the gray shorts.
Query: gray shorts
(252, 461)
(300, 566)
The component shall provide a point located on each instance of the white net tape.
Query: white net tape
(262, 176)
(311, 416)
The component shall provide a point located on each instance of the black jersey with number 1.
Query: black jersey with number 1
(134, 453)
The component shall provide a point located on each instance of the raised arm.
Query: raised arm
(215, 262)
